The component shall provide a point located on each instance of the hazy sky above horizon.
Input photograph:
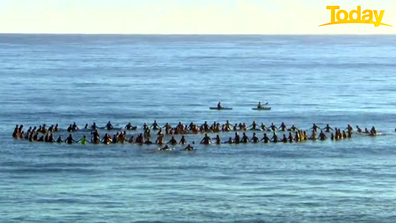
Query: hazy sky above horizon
(187, 16)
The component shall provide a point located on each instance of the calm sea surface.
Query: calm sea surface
(63, 79)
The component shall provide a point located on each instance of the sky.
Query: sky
(187, 16)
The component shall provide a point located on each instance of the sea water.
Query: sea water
(336, 80)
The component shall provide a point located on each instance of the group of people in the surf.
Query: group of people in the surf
(180, 128)
(42, 134)
(299, 135)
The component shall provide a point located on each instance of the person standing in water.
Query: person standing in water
(328, 128)
(83, 140)
(206, 140)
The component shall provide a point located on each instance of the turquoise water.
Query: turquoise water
(63, 79)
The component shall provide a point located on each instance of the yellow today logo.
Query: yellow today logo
(367, 17)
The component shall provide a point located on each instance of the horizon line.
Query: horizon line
(203, 34)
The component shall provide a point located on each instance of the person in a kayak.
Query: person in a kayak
(219, 105)
(260, 105)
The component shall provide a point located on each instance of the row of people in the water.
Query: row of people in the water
(141, 138)
(191, 128)
(106, 140)
(32, 133)
(299, 136)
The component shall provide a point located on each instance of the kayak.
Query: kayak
(263, 108)
(216, 108)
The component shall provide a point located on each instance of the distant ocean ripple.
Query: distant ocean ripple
(62, 79)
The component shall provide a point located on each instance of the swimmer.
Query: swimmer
(290, 138)
(46, 138)
(315, 127)
(253, 125)
(349, 131)
(275, 138)
(139, 139)
(165, 148)
(59, 140)
(20, 131)
(16, 132)
(75, 128)
(373, 132)
(263, 127)
(69, 129)
(273, 127)
(96, 137)
(359, 130)
(109, 126)
(206, 140)
(148, 142)
(129, 126)
(51, 138)
(230, 141)
(254, 138)
(282, 127)
(115, 138)
(313, 136)
(105, 139)
(56, 129)
(235, 127)
(183, 140)
(328, 128)
(172, 141)
(160, 139)
(70, 140)
(131, 139)
(83, 140)
(266, 139)
(305, 136)
(237, 138)
(297, 137)
(155, 126)
(122, 137)
(284, 139)
(245, 138)
(293, 128)
(41, 139)
(322, 136)
(218, 140)
(189, 148)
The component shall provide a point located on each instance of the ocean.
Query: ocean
(334, 79)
